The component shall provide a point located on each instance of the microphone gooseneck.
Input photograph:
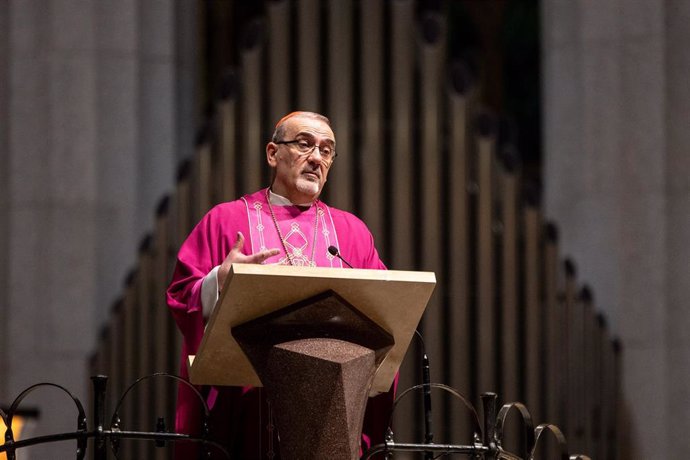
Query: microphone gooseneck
(334, 252)
(426, 381)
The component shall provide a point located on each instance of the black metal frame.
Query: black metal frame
(101, 435)
(487, 439)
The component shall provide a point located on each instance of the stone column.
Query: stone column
(156, 107)
(678, 222)
(605, 181)
(642, 306)
(188, 113)
(4, 185)
(52, 205)
(117, 81)
(87, 147)
(145, 81)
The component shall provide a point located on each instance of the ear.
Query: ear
(272, 154)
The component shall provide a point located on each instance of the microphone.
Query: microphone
(334, 252)
(426, 382)
(428, 431)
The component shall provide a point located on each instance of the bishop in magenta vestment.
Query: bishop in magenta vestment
(240, 417)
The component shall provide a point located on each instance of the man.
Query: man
(285, 224)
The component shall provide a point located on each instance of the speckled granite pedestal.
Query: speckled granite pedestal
(319, 389)
(317, 361)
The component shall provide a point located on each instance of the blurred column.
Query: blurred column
(677, 223)
(372, 144)
(4, 189)
(278, 49)
(605, 184)
(156, 107)
(309, 36)
(117, 86)
(187, 112)
(87, 144)
(400, 83)
(340, 100)
(53, 207)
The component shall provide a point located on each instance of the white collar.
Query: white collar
(279, 200)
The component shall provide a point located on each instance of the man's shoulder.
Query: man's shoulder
(227, 211)
(345, 217)
(239, 204)
(229, 206)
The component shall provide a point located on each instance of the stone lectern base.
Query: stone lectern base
(317, 359)
(319, 390)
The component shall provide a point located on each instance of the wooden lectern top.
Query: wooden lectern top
(395, 300)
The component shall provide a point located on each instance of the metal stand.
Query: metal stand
(101, 435)
(487, 437)
(487, 441)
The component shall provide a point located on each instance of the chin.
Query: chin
(307, 187)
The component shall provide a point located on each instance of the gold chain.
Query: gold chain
(280, 234)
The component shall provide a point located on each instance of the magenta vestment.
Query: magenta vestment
(239, 415)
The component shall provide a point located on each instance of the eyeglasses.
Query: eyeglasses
(307, 146)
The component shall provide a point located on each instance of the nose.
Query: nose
(313, 152)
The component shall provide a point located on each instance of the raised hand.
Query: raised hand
(235, 256)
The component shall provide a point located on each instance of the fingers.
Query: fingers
(236, 256)
(260, 257)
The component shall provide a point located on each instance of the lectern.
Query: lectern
(320, 340)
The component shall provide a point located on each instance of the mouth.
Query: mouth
(311, 175)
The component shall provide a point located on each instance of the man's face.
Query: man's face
(300, 177)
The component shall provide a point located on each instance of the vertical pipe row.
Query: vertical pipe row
(553, 380)
(279, 73)
(509, 339)
(588, 384)
(431, 171)
(129, 410)
(533, 310)
(179, 226)
(162, 319)
(202, 180)
(510, 349)
(372, 125)
(459, 116)
(116, 355)
(577, 361)
(607, 396)
(401, 88)
(308, 55)
(146, 346)
(340, 95)
(613, 436)
(485, 289)
(597, 447)
(111, 358)
(226, 150)
(251, 94)
(570, 353)
(402, 188)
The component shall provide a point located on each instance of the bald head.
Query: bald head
(279, 133)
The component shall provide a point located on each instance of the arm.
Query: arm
(195, 260)
(203, 264)
(214, 282)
